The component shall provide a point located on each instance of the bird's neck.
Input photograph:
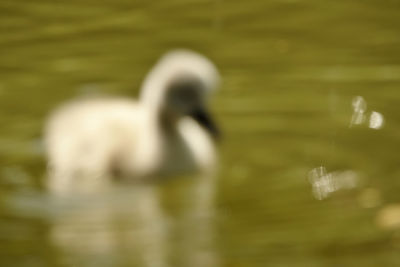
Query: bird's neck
(165, 121)
(168, 121)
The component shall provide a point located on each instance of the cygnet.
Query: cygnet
(166, 132)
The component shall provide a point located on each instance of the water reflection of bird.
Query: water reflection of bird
(167, 131)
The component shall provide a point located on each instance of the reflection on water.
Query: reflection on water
(86, 229)
(125, 225)
(360, 107)
(389, 217)
(290, 69)
(376, 119)
(324, 183)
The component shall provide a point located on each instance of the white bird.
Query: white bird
(166, 132)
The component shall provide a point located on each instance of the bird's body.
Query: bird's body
(90, 141)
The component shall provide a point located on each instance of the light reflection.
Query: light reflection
(325, 183)
(359, 107)
(376, 119)
(389, 217)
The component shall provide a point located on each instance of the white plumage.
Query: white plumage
(166, 132)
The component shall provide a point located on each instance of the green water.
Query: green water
(291, 71)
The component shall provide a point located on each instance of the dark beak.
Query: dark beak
(205, 120)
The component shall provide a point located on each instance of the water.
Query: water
(308, 105)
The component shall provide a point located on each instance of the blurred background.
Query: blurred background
(309, 107)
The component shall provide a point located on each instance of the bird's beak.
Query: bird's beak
(205, 120)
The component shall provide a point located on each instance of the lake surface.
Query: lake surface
(309, 107)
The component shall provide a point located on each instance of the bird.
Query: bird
(167, 131)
